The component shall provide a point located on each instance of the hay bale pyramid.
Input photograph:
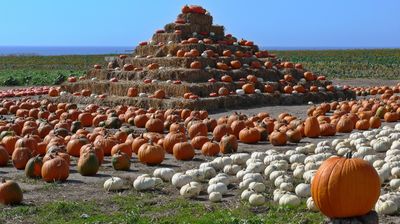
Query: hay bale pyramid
(193, 64)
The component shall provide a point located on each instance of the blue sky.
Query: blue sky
(291, 23)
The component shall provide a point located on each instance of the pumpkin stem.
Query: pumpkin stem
(349, 154)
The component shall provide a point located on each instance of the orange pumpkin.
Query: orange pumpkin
(183, 151)
(151, 154)
(362, 124)
(195, 65)
(198, 141)
(345, 187)
(311, 127)
(248, 88)
(210, 148)
(375, 122)
(236, 64)
(55, 169)
(249, 135)
(277, 138)
(228, 144)
(133, 92)
(221, 130)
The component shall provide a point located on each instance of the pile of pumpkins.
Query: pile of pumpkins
(21, 92)
(375, 90)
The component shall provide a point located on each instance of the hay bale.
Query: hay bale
(197, 19)
(146, 50)
(166, 37)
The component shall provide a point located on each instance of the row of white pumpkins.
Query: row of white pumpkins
(291, 173)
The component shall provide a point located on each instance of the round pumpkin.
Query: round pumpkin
(277, 138)
(4, 157)
(171, 139)
(210, 148)
(10, 192)
(20, 157)
(121, 161)
(151, 154)
(33, 168)
(228, 144)
(345, 187)
(183, 151)
(221, 130)
(55, 169)
(88, 164)
(249, 135)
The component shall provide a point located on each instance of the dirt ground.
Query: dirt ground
(78, 187)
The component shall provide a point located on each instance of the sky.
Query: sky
(284, 23)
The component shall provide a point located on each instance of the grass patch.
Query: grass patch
(153, 208)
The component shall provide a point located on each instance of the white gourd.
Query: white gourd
(179, 179)
(310, 166)
(378, 164)
(257, 167)
(275, 174)
(395, 171)
(240, 158)
(309, 175)
(215, 196)
(289, 199)
(258, 155)
(164, 173)
(311, 205)
(220, 179)
(380, 145)
(246, 194)
(114, 184)
(190, 190)
(370, 158)
(386, 207)
(297, 158)
(208, 172)
(241, 174)
(281, 164)
(299, 171)
(232, 169)
(256, 199)
(283, 179)
(394, 184)
(278, 193)
(303, 190)
(257, 187)
(286, 187)
(218, 187)
(255, 176)
(269, 169)
(252, 160)
(144, 183)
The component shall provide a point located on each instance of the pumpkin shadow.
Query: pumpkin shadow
(102, 175)
(73, 181)
(198, 160)
(168, 166)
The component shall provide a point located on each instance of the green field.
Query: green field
(48, 70)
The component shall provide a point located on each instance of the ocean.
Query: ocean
(53, 50)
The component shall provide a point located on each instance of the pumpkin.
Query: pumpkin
(155, 125)
(97, 150)
(197, 129)
(345, 187)
(248, 88)
(391, 117)
(132, 92)
(362, 124)
(221, 130)
(120, 161)
(20, 157)
(55, 169)
(309, 76)
(226, 78)
(4, 157)
(183, 151)
(294, 135)
(249, 135)
(311, 127)
(33, 168)
(151, 154)
(223, 91)
(88, 164)
(106, 143)
(10, 192)
(210, 148)
(236, 64)
(228, 144)
(345, 125)
(327, 129)
(237, 126)
(140, 120)
(171, 139)
(375, 122)
(74, 146)
(137, 142)
(9, 143)
(277, 138)
(195, 65)
(123, 147)
(114, 184)
(198, 141)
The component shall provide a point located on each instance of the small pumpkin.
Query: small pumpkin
(277, 138)
(228, 144)
(121, 161)
(249, 135)
(88, 164)
(210, 148)
(10, 192)
(311, 127)
(33, 168)
(183, 151)
(151, 154)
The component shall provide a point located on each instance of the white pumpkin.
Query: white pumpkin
(370, 158)
(240, 92)
(276, 174)
(323, 149)
(114, 184)
(289, 199)
(253, 160)
(232, 169)
(256, 199)
(196, 174)
(299, 171)
(215, 196)
(144, 183)
(283, 179)
(303, 190)
(310, 166)
(241, 173)
(245, 183)
(256, 177)
(220, 178)
(278, 193)
(256, 167)
(394, 183)
(240, 158)
(190, 190)
(179, 179)
(208, 172)
(301, 150)
(395, 171)
(286, 187)
(164, 173)
(311, 205)
(380, 145)
(386, 207)
(269, 169)
(281, 164)
(297, 158)
(257, 187)
(246, 194)
(309, 175)
(343, 151)
(378, 164)
(218, 187)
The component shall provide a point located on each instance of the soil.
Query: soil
(86, 188)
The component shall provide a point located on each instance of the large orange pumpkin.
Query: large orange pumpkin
(249, 135)
(183, 151)
(55, 169)
(151, 154)
(345, 187)
(10, 192)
